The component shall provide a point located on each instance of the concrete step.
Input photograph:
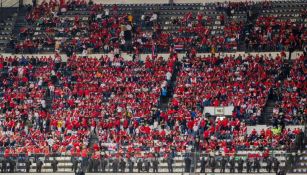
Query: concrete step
(300, 170)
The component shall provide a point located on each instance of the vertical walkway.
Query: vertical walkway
(164, 101)
(266, 117)
(19, 23)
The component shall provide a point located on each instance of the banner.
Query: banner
(218, 111)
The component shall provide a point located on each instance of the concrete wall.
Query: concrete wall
(260, 127)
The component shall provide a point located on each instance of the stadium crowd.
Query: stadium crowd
(291, 105)
(243, 82)
(48, 106)
(105, 29)
(271, 33)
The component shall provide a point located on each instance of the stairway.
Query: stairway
(267, 113)
(170, 89)
(48, 99)
(248, 27)
(48, 103)
(6, 27)
(266, 116)
(286, 67)
(301, 164)
(20, 21)
(93, 139)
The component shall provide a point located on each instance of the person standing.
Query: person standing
(248, 166)
(54, 165)
(232, 165)
(90, 165)
(257, 165)
(147, 165)
(130, 165)
(96, 165)
(74, 165)
(80, 170)
(194, 159)
(28, 165)
(103, 164)
(269, 165)
(212, 164)
(203, 165)
(84, 164)
(139, 165)
(290, 163)
(4, 165)
(39, 165)
(187, 162)
(170, 162)
(12, 164)
(223, 164)
(276, 165)
(240, 165)
(155, 165)
(115, 166)
(122, 165)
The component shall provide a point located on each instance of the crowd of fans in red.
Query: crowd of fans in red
(108, 30)
(244, 82)
(291, 105)
(49, 106)
(86, 94)
(272, 33)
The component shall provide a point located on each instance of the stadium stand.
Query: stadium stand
(76, 27)
(107, 113)
(291, 105)
(6, 27)
(52, 107)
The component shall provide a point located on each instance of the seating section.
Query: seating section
(279, 28)
(292, 105)
(78, 26)
(92, 108)
(42, 98)
(49, 106)
(276, 32)
(243, 82)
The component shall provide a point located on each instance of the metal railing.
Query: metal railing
(191, 162)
